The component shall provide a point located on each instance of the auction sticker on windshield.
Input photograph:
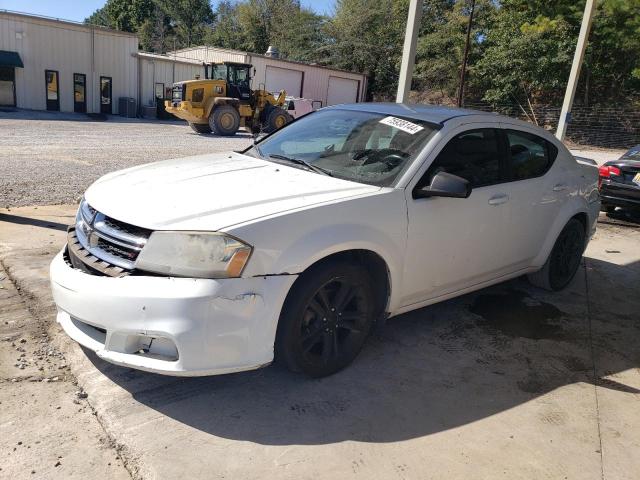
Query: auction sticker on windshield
(404, 125)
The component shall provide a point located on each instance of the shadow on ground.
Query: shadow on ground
(22, 220)
(433, 369)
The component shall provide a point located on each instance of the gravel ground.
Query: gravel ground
(48, 158)
(51, 158)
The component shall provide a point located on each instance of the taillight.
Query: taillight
(606, 171)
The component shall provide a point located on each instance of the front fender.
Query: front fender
(291, 243)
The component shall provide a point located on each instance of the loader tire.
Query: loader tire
(200, 127)
(224, 120)
(276, 119)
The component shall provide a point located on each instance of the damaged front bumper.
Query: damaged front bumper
(168, 325)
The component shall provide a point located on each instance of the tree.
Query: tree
(226, 31)
(192, 19)
(441, 44)
(526, 57)
(296, 31)
(366, 36)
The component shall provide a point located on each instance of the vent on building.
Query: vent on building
(272, 52)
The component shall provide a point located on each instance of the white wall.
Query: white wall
(68, 48)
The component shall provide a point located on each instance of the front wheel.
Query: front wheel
(564, 259)
(276, 119)
(224, 120)
(326, 319)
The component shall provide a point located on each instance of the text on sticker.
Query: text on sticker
(404, 125)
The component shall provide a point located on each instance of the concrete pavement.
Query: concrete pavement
(508, 382)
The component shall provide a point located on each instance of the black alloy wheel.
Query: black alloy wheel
(326, 320)
(564, 259)
(566, 255)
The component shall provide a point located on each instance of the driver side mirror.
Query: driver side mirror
(444, 184)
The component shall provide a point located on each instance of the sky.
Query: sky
(78, 10)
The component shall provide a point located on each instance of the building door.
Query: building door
(53, 91)
(284, 79)
(7, 87)
(105, 95)
(342, 90)
(79, 93)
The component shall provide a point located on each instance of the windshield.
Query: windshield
(219, 72)
(365, 147)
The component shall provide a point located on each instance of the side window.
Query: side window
(473, 155)
(530, 155)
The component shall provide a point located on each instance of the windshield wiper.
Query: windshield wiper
(304, 163)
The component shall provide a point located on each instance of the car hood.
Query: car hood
(212, 192)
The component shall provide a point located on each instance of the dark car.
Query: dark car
(619, 182)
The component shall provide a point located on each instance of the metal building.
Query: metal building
(50, 64)
(327, 85)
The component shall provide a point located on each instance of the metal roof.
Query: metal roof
(86, 26)
(427, 113)
(10, 59)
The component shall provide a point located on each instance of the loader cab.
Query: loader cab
(237, 76)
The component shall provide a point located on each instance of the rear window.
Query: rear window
(633, 154)
(530, 156)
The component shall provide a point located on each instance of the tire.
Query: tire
(200, 127)
(564, 259)
(224, 120)
(316, 340)
(608, 208)
(276, 119)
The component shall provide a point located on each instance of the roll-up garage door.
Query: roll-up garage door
(342, 90)
(284, 79)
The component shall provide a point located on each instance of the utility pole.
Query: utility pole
(409, 50)
(465, 57)
(572, 84)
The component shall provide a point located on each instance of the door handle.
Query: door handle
(560, 187)
(498, 199)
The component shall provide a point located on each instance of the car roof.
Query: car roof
(428, 113)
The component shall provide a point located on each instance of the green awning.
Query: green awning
(10, 59)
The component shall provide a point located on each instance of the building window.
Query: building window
(79, 93)
(159, 91)
(106, 89)
(53, 93)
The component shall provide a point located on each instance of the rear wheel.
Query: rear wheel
(200, 127)
(326, 319)
(224, 120)
(564, 259)
(276, 119)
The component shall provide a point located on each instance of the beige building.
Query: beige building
(52, 64)
(48, 64)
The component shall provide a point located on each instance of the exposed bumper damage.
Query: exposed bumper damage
(172, 326)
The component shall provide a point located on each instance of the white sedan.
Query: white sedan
(297, 246)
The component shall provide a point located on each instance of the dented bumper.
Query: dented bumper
(172, 326)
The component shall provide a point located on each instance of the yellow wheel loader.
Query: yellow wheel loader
(224, 102)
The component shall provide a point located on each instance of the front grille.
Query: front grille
(101, 245)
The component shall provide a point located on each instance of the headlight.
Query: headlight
(194, 254)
